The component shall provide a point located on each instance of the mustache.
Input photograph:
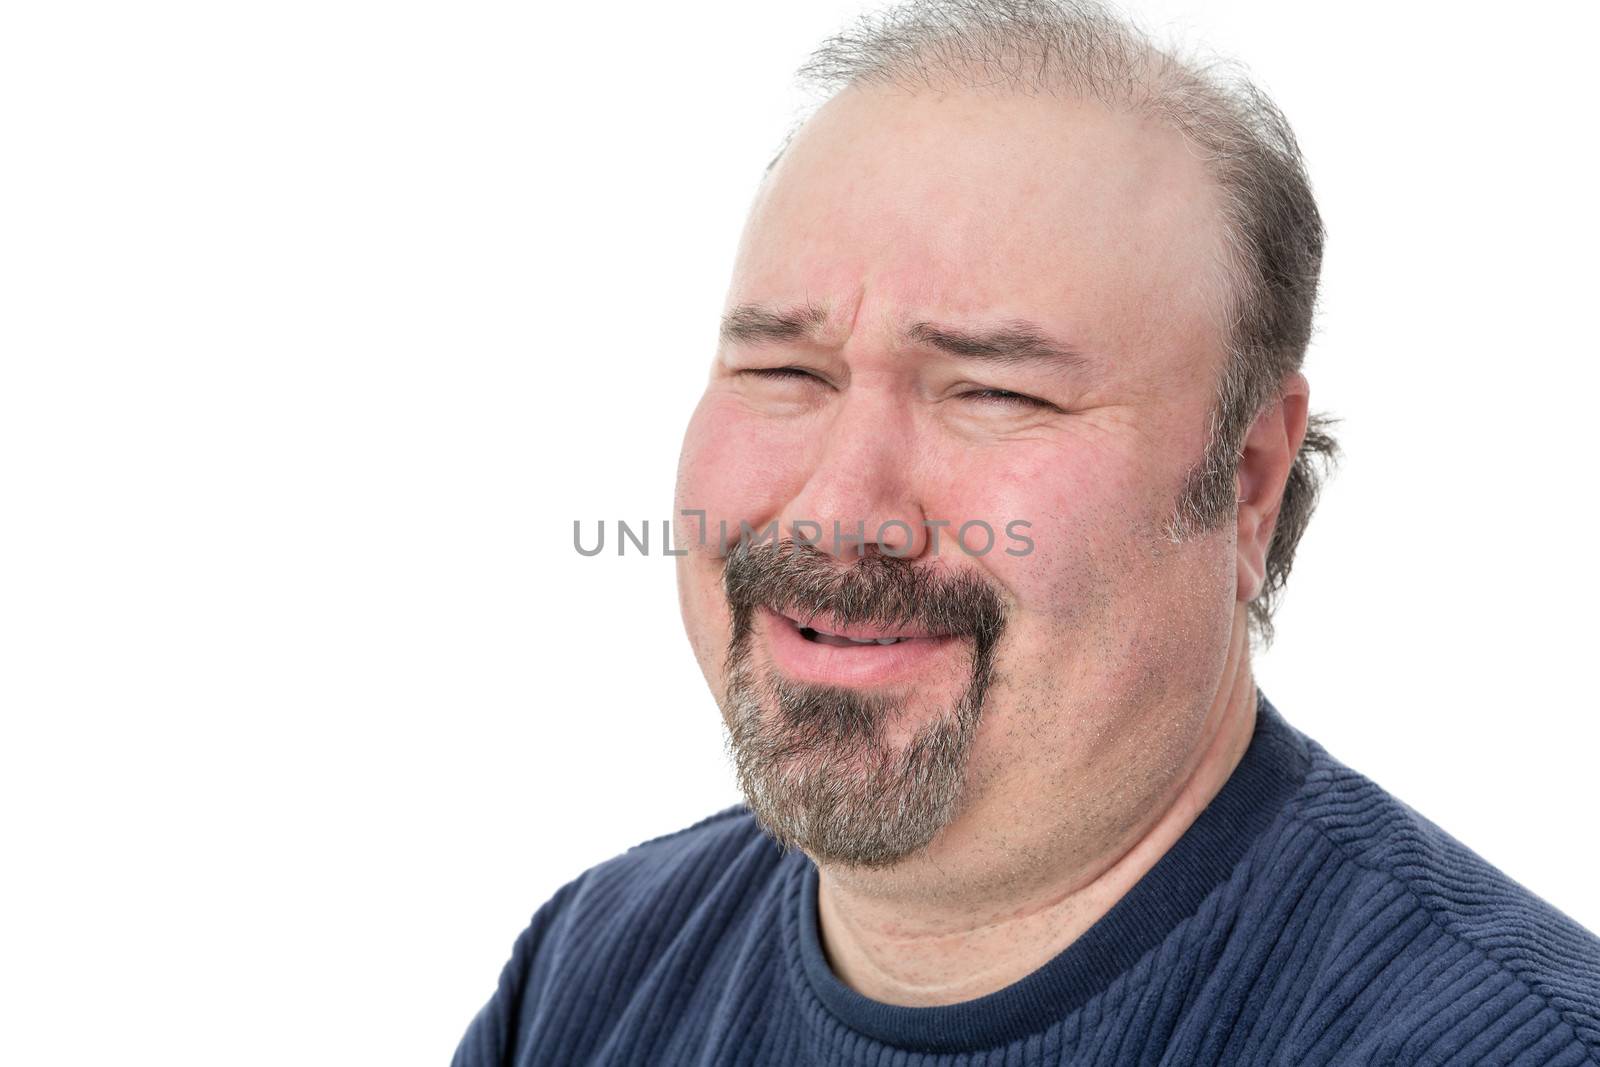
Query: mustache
(794, 578)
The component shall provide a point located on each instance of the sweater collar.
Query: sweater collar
(1268, 774)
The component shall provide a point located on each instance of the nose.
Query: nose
(859, 496)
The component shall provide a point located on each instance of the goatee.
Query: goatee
(813, 760)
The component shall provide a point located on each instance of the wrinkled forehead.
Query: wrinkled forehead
(1104, 224)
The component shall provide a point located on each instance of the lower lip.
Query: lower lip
(853, 665)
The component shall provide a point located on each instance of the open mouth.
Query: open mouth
(823, 630)
(820, 650)
(839, 640)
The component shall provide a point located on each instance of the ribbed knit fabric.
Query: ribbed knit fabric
(1306, 917)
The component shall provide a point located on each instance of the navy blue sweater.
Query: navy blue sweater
(1306, 917)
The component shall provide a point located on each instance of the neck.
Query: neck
(921, 953)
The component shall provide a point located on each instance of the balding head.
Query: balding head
(1073, 50)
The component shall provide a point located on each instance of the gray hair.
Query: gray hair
(1272, 228)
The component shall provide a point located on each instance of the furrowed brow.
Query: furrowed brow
(758, 323)
(1017, 341)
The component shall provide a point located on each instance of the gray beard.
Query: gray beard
(818, 775)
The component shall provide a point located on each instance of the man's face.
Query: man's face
(915, 268)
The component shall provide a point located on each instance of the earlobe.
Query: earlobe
(1251, 561)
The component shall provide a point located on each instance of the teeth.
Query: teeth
(859, 640)
(854, 640)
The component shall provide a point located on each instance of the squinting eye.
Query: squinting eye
(779, 372)
(1005, 396)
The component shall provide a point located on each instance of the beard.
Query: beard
(814, 761)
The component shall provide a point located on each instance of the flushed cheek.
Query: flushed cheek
(1040, 498)
(735, 467)
(1097, 547)
(738, 466)
(1081, 591)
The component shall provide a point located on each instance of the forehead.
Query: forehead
(1101, 224)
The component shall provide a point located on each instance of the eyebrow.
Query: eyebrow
(1017, 341)
(755, 323)
(1012, 342)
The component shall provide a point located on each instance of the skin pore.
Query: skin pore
(1121, 696)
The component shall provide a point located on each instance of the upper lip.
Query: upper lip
(859, 631)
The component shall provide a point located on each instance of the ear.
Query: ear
(1270, 449)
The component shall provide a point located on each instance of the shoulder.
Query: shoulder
(652, 919)
(694, 843)
(654, 888)
(721, 854)
(1441, 932)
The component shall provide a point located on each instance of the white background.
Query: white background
(322, 322)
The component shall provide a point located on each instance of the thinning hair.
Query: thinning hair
(1272, 230)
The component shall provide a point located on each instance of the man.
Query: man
(1004, 455)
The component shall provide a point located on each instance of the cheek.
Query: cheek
(1072, 502)
(1113, 623)
(733, 467)
(737, 465)
(706, 619)
(1101, 590)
